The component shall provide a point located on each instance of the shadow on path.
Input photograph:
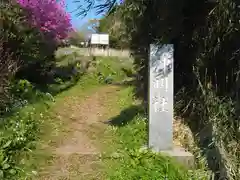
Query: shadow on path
(126, 116)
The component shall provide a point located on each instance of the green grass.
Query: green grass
(22, 154)
(49, 126)
(19, 136)
(127, 160)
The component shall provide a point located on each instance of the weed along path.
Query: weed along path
(77, 143)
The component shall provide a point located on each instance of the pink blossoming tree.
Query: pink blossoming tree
(49, 16)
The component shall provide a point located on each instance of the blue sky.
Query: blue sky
(77, 22)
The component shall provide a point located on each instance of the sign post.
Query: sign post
(100, 39)
(161, 99)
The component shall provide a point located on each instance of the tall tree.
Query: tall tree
(76, 37)
(112, 23)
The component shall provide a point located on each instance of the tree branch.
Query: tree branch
(100, 6)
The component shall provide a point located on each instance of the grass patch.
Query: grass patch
(19, 137)
(127, 160)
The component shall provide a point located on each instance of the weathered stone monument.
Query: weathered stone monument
(161, 94)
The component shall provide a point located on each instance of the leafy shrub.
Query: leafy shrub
(22, 89)
(217, 129)
(76, 37)
(17, 135)
(108, 70)
(26, 43)
(8, 62)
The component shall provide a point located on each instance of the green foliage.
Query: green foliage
(75, 38)
(131, 160)
(20, 122)
(8, 66)
(22, 89)
(214, 71)
(26, 44)
(114, 26)
(19, 130)
(27, 59)
(6, 61)
(219, 121)
(146, 165)
(18, 135)
(108, 70)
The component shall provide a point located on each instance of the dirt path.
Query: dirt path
(78, 146)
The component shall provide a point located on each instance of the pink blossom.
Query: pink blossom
(49, 16)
